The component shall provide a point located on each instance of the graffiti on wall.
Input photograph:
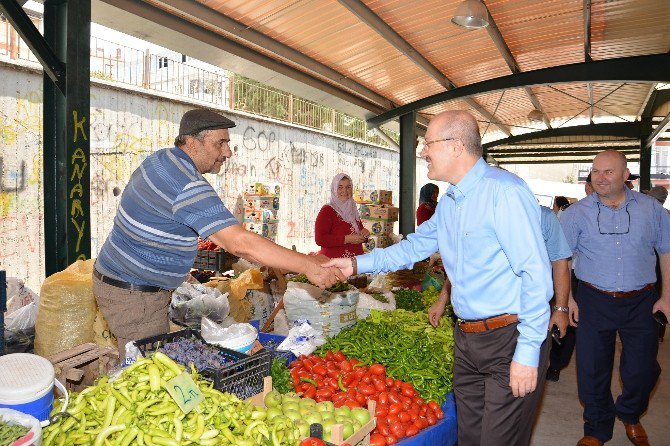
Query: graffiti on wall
(125, 128)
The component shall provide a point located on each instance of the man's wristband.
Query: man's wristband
(354, 266)
(562, 309)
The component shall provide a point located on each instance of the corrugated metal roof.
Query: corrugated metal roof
(435, 54)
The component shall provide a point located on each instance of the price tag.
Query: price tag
(185, 392)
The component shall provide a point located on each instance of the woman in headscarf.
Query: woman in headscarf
(427, 202)
(338, 228)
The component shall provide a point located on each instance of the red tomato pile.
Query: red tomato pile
(400, 412)
(206, 245)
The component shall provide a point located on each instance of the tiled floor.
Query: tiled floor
(560, 418)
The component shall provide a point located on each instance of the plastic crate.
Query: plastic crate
(210, 260)
(270, 342)
(243, 377)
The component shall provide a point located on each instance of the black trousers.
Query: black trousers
(487, 413)
(600, 318)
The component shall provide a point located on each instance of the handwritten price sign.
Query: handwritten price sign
(185, 392)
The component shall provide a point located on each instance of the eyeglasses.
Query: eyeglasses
(428, 143)
(612, 233)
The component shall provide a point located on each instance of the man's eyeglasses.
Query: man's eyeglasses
(613, 233)
(428, 143)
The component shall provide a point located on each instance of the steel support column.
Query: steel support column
(67, 26)
(645, 154)
(407, 172)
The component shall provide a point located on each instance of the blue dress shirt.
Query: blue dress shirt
(554, 239)
(614, 248)
(487, 230)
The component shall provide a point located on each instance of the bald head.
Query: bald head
(462, 125)
(609, 174)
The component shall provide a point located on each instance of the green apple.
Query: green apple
(273, 399)
(362, 415)
(293, 414)
(307, 402)
(292, 397)
(325, 406)
(314, 417)
(303, 428)
(327, 416)
(290, 405)
(348, 430)
(273, 412)
(342, 411)
(306, 410)
(327, 428)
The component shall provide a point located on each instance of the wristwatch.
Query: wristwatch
(563, 309)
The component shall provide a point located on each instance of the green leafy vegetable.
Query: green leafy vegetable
(281, 376)
(410, 300)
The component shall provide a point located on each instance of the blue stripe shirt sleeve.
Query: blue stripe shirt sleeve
(203, 211)
(557, 245)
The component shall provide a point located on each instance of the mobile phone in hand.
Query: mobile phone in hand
(660, 317)
(556, 334)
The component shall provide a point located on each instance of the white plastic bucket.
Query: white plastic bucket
(27, 383)
(242, 338)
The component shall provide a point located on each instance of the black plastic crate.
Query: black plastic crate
(243, 377)
(210, 260)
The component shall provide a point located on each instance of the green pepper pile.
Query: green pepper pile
(137, 409)
(405, 342)
(9, 433)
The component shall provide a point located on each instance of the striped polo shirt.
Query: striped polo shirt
(166, 205)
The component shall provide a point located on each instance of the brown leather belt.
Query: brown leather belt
(126, 285)
(487, 324)
(623, 294)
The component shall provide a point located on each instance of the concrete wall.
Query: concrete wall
(126, 126)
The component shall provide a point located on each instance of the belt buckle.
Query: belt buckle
(460, 321)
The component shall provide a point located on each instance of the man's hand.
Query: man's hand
(522, 379)
(574, 311)
(436, 311)
(343, 264)
(323, 276)
(559, 319)
(365, 233)
(662, 304)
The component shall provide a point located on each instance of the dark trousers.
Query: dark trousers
(561, 354)
(600, 318)
(486, 411)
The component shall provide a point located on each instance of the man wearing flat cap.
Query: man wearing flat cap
(165, 207)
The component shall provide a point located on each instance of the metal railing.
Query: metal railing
(113, 62)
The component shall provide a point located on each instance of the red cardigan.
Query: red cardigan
(329, 232)
(424, 212)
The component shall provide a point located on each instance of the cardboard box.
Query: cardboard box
(377, 241)
(378, 212)
(260, 215)
(261, 202)
(378, 227)
(375, 196)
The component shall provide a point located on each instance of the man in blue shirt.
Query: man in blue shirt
(559, 255)
(487, 230)
(165, 207)
(614, 234)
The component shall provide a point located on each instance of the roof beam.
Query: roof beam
(503, 49)
(650, 68)
(587, 51)
(660, 128)
(382, 28)
(550, 150)
(655, 100)
(625, 129)
(236, 31)
(557, 161)
(571, 154)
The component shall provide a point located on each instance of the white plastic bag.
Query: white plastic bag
(191, 302)
(302, 339)
(235, 337)
(18, 295)
(366, 303)
(34, 435)
(326, 312)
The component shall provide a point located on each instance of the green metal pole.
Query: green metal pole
(407, 172)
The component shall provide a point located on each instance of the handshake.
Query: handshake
(325, 272)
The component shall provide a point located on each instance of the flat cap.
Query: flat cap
(195, 121)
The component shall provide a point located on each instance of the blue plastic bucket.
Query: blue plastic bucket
(26, 384)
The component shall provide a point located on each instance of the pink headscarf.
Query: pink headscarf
(345, 209)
